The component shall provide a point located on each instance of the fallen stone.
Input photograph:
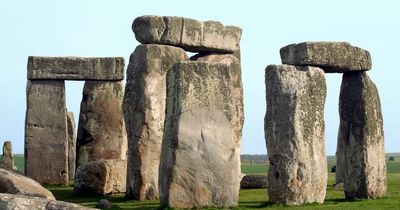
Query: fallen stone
(7, 159)
(104, 204)
(200, 153)
(294, 134)
(144, 110)
(101, 128)
(71, 145)
(46, 144)
(21, 202)
(189, 34)
(361, 131)
(330, 56)
(13, 183)
(101, 177)
(76, 68)
(254, 182)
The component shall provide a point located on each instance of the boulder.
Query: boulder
(101, 177)
(294, 134)
(21, 202)
(101, 128)
(75, 68)
(200, 152)
(46, 144)
(189, 34)
(144, 110)
(7, 159)
(13, 183)
(71, 145)
(254, 182)
(330, 56)
(361, 131)
(104, 204)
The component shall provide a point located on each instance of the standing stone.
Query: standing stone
(101, 129)
(7, 159)
(330, 56)
(189, 34)
(144, 109)
(361, 131)
(71, 145)
(294, 134)
(340, 162)
(200, 152)
(46, 144)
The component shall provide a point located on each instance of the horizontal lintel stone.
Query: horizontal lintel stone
(76, 68)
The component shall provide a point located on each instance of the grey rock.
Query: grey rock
(200, 153)
(330, 56)
(71, 145)
(101, 177)
(46, 144)
(76, 68)
(340, 161)
(7, 159)
(104, 204)
(361, 130)
(101, 127)
(294, 134)
(189, 34)
(254, 182)
(144, 110)
(13, 183)
(338, 186)
(21, 202)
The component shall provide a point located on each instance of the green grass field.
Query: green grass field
(258, 198)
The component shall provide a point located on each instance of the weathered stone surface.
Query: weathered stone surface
(144, 109)
(7, 159)
(101, 128)
(330, 56)
(104, 204)
(101, 177)
(189, 34)
(13, 183)
(46, 145)
(361, 131)
(76, 68)
(200, 152)
(340, 161)
(294, 134)
(71, 145)
(254, 182)
(21, 202)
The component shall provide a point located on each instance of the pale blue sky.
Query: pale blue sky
(103, 28)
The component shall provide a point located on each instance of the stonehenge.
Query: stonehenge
(7, 159)
(71, 145)
(294, 125)
(47, 127)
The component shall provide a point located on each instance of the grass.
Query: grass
(19, 162)
(258, 198)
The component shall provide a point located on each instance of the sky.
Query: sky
(98, 28)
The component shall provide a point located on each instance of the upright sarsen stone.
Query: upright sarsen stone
(361, 131)
(7, 159)
(71, 145)
(46, 145)
(144, 110)
(200, 152)
(294, 134)
(101, 129)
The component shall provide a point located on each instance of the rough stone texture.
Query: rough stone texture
(294, 134)
(340, 161)
(101, 128)
(21, 202)
(13, 183)
(330, 56)
(76, 68)
(101, 177)
(361, 130)
(200, 152)
(144, 109)
(104, 204)
(189, 34)
(254, 182)
(71, 145)
(46, 145)
(7, 159)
